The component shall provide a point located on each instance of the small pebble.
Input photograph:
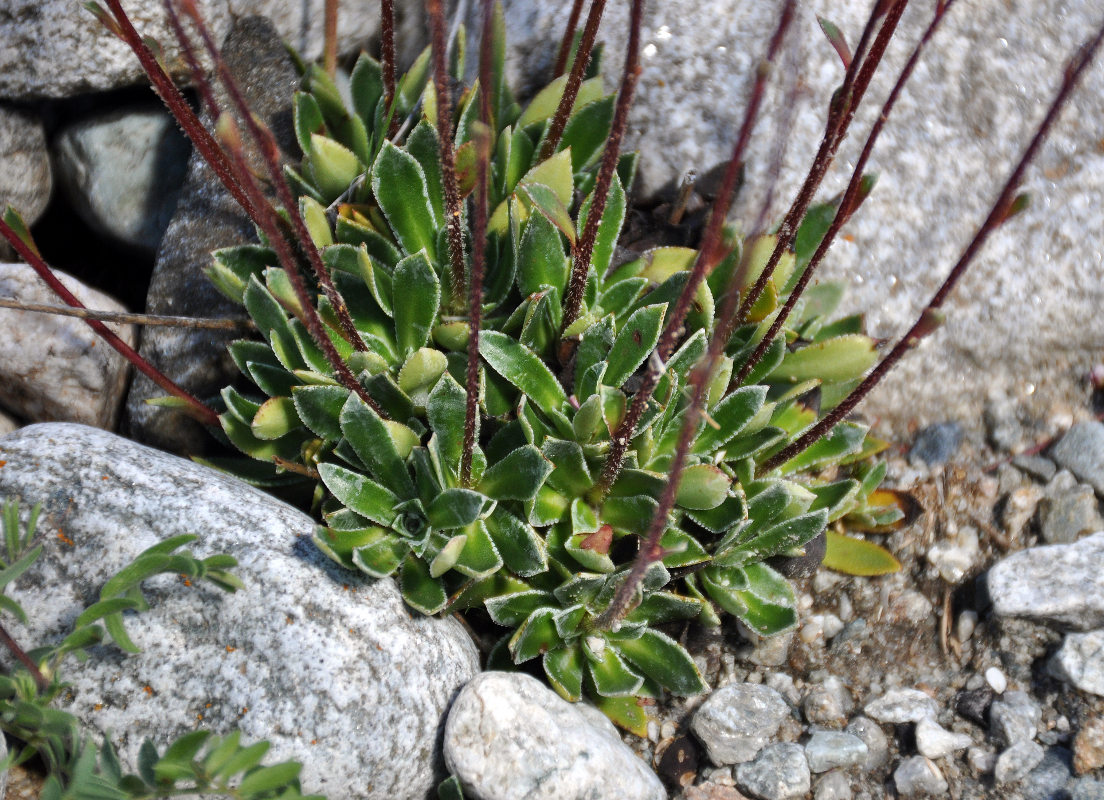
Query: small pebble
(1018, 760)
(902, 705)
(1081, 451)
(996, 680)
(936, 444)
(973, 703)
(934, 741)
(916, 776)
(872, 735)
(1080, 661)
(981, 761)
(1037, 467)
(1050, 776)
(827, 750)
(1088, 745)
(833, 786)
(828, 703)
(1020, 507)
(1086, 789)
(1014, 717)
(737, 720)
(777, 773)
(965, 625)
(783, 683)
(846, 610)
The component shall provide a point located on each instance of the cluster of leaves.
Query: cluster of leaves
(197, 763)
(533, 536)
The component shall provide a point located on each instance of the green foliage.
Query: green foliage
(198, 763)
(532, 537)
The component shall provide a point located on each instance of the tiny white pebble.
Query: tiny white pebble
(845, 608)
(964, 627)
(996, 680)
(667, 730)
(653, 730)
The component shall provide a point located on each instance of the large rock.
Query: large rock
(53, 367)
(508, 737)
(1025, 584)
(206, 219)
(25, 179)
(124, 172)
(55, 48)
(1024, 321)
(331, 668)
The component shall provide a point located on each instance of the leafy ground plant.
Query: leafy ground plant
(495, 407)
(197, 763)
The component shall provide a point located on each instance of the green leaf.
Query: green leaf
(523, 368)
(844, 358)
(564, 668)
(609, 229)
(536, 635)
(702, 486)
(416, 299)
(518, 543)
(446, 413)
(729, 417)
(571, 474)
(479, 557)
(421, 590)
(555, 173)
(842, 440)
(510, 610)
(664, 661)
(275, 418)
(244, 759)
(319, 408)
(400, 188)
(518, 476)
(455, 508)
(586, 132)
(366, 87)
(755, 594)
(372, 442)
(541, 259)
(267, 779)
(176, 762)
(611, 675)
(550, 207)
(858, 556)
(423, 144)
(775, 540)
(636, 340)
(450, 789)
(359, 493)
(333, 166)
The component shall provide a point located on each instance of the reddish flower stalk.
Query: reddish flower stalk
(845, 103)
(30, 255)
(204, 143)
(453, 214)
(270, 153)
(573, 300)
(329, 48)
(21, 656)
(574, 80)
(387, 58)
(708, 255)
(479, 245)
(849, 202)
(568, 38)
(930, 317)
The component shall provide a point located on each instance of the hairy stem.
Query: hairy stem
(123, 318)
(21, 656)
(568, 38)
(930, 317)
(453, 212)
(573, 299)
(329, 48)
(204, 413)
(849, 202)
(709, 254)
(574, 80)
(479, 235)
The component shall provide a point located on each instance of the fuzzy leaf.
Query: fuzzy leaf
(702, 486)
(479, 558)
(564, 668)
(730, 416)
(523, 368)
(609, 229)
(858, 556)
(776, 539)
(518, 476)
(511, 610)
(755, 594)
(841, 359)
(611, 675)
(420, 589)
(455, 508)
(541, 259)
(664, 661)
(333, 166)
(400, 188)
(416, 299)
(636, 340)
(275, 418)
(546, 201)
(536, 635)
(586, 132)
(842, 440)
(372, 442)
(520, 546)
(359, 493)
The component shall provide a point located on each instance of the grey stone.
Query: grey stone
(1081, 451)
(1086, 788)
(1038, 467)
(124, 171)
(1048, 780)
(936, 444)
(1018, 760)
(981, 761)
(827, 750)
(934, 741)
(206, 219)
(330, 667)
(778, 772)
(1080, 661)
(833, 786)
(25, 176)
(1014, 717)
(950, 141)
(55, 48)
(1067, 516)
(737, 720)
(902, 705)
(54, 367)
(917, 776)
(765, 651)
(828, 702)
(877, 746)
(1022, 584)
(509, 736)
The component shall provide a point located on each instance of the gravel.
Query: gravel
(902, 705)
(737, 720)
(827, 750)
(778, 772)
(1014, 717)
(918, 776)
(1081, 451)
(1018, 760)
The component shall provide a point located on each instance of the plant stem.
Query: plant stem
(708, 256)
(329, 49)
(205, 414)
(849, 202)
(574, 80)
(123, 318)
(453, 212)
(387, 59)
(21, 656)
(573, 300)
(929, 317)
(568, 38)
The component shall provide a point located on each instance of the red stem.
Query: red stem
(329, 50)
(574, 80)
(387, 59)
(201, 411)
(573, 301)
(923, 325)
(568, 38)
(21, 656)
(847, 205)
